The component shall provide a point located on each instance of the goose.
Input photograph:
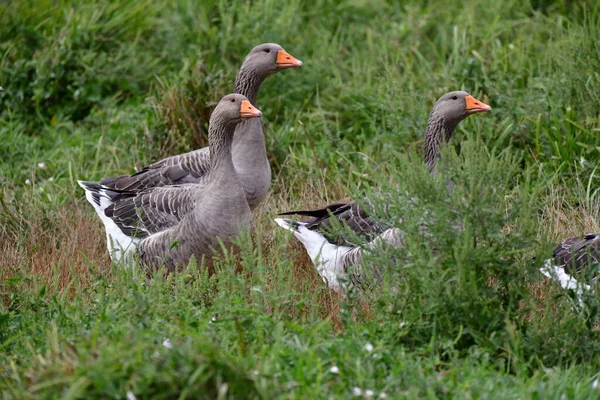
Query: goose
(334, 254)
(249, 152)
(166, 225)
(248, 149)
(571, 259)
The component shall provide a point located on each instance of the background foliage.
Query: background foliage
(94, 89)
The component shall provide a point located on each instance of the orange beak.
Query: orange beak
(286, 60)
(476, 106)
(249, 111)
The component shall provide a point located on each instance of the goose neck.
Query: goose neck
(220, 137)
(248, 84)
(439, 130)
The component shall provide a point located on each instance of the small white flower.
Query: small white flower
(357, 391)
(369, 347)
(51, 179)
(255, 372)
(402, 324)
(334, 369)
(130, 395)
(167, 343)
(256, 289)
(582, 161)
(27, 182)
(511, 46)
(595, 384)
(213, 320)
(383, 395)
(369, 393)
(41, 165)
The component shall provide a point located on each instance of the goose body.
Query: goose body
(168, 224)
(571, 261)
(447, 113)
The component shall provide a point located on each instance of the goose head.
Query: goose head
(269, 58)
(234, 108)
(453, 107)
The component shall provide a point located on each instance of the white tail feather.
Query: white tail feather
(566, 281)
(120, 246)
(327, 258)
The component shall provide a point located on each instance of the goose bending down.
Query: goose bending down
(338, 253)
(572, 259)
(169, 224)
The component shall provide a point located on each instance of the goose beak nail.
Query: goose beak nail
(286, 60)
(475, 106)
(249, 111)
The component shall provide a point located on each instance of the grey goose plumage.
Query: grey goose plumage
(448, 111)
(167, 225)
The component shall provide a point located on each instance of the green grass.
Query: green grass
(94, 89)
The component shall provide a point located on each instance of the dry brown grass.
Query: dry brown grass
(58, 252)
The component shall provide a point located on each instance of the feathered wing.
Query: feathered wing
(190, 167)
(329, 219)
(138, 214)
(577, 254)
(151, 211)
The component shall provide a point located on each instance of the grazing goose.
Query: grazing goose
(572, 259)
(169, 224)
(339, 253)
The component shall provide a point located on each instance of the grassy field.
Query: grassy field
(99, 88)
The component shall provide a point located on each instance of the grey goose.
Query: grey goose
(248, 149)
(166, 225)
(333, 254)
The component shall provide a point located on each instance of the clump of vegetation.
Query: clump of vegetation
(96, 89)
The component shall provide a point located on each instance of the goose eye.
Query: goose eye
(233, 100)
(454, 97)
(267, 50)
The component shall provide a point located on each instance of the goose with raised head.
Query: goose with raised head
(335, 252)
(249, 152)
(248, 148)
(572, 261)
(169, 224)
